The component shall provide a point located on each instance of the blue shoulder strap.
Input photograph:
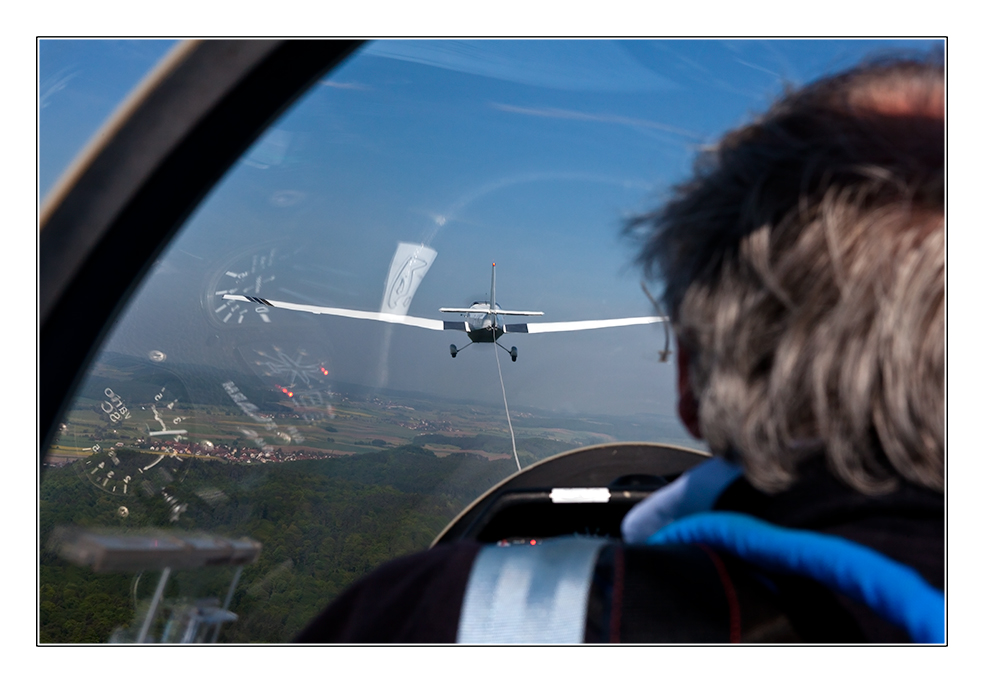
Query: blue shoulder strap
(894, 591)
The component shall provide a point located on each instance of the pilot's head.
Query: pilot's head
(804, 271)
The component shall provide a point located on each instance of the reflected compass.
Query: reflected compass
(301, 377)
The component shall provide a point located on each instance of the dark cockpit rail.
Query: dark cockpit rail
(585, 491)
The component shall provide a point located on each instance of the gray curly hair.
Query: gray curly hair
(804, 270)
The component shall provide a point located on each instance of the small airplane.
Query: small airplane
(482, 323)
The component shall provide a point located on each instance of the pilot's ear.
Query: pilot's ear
(687, 404)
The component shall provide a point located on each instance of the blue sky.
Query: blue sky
(527, 153)
(80, 83)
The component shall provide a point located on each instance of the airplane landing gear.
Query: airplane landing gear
(512, 352)
(455, 350)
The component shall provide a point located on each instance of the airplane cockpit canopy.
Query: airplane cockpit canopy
(218, 469)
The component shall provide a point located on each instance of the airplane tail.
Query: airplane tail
(493, 309)
(492, 295)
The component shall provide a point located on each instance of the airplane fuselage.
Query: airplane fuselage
(482, 327)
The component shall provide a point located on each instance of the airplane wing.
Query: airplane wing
(536, 328)
(427, 323)
(346, 313)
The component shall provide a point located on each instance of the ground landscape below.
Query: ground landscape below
(331, 487)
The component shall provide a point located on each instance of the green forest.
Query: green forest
(529, 450)
(322, 523)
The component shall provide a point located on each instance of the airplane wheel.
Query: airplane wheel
(512, 352)
(454, 351)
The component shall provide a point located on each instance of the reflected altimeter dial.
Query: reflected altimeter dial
(256, 274)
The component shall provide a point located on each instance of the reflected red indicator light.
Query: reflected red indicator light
(533, 542)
